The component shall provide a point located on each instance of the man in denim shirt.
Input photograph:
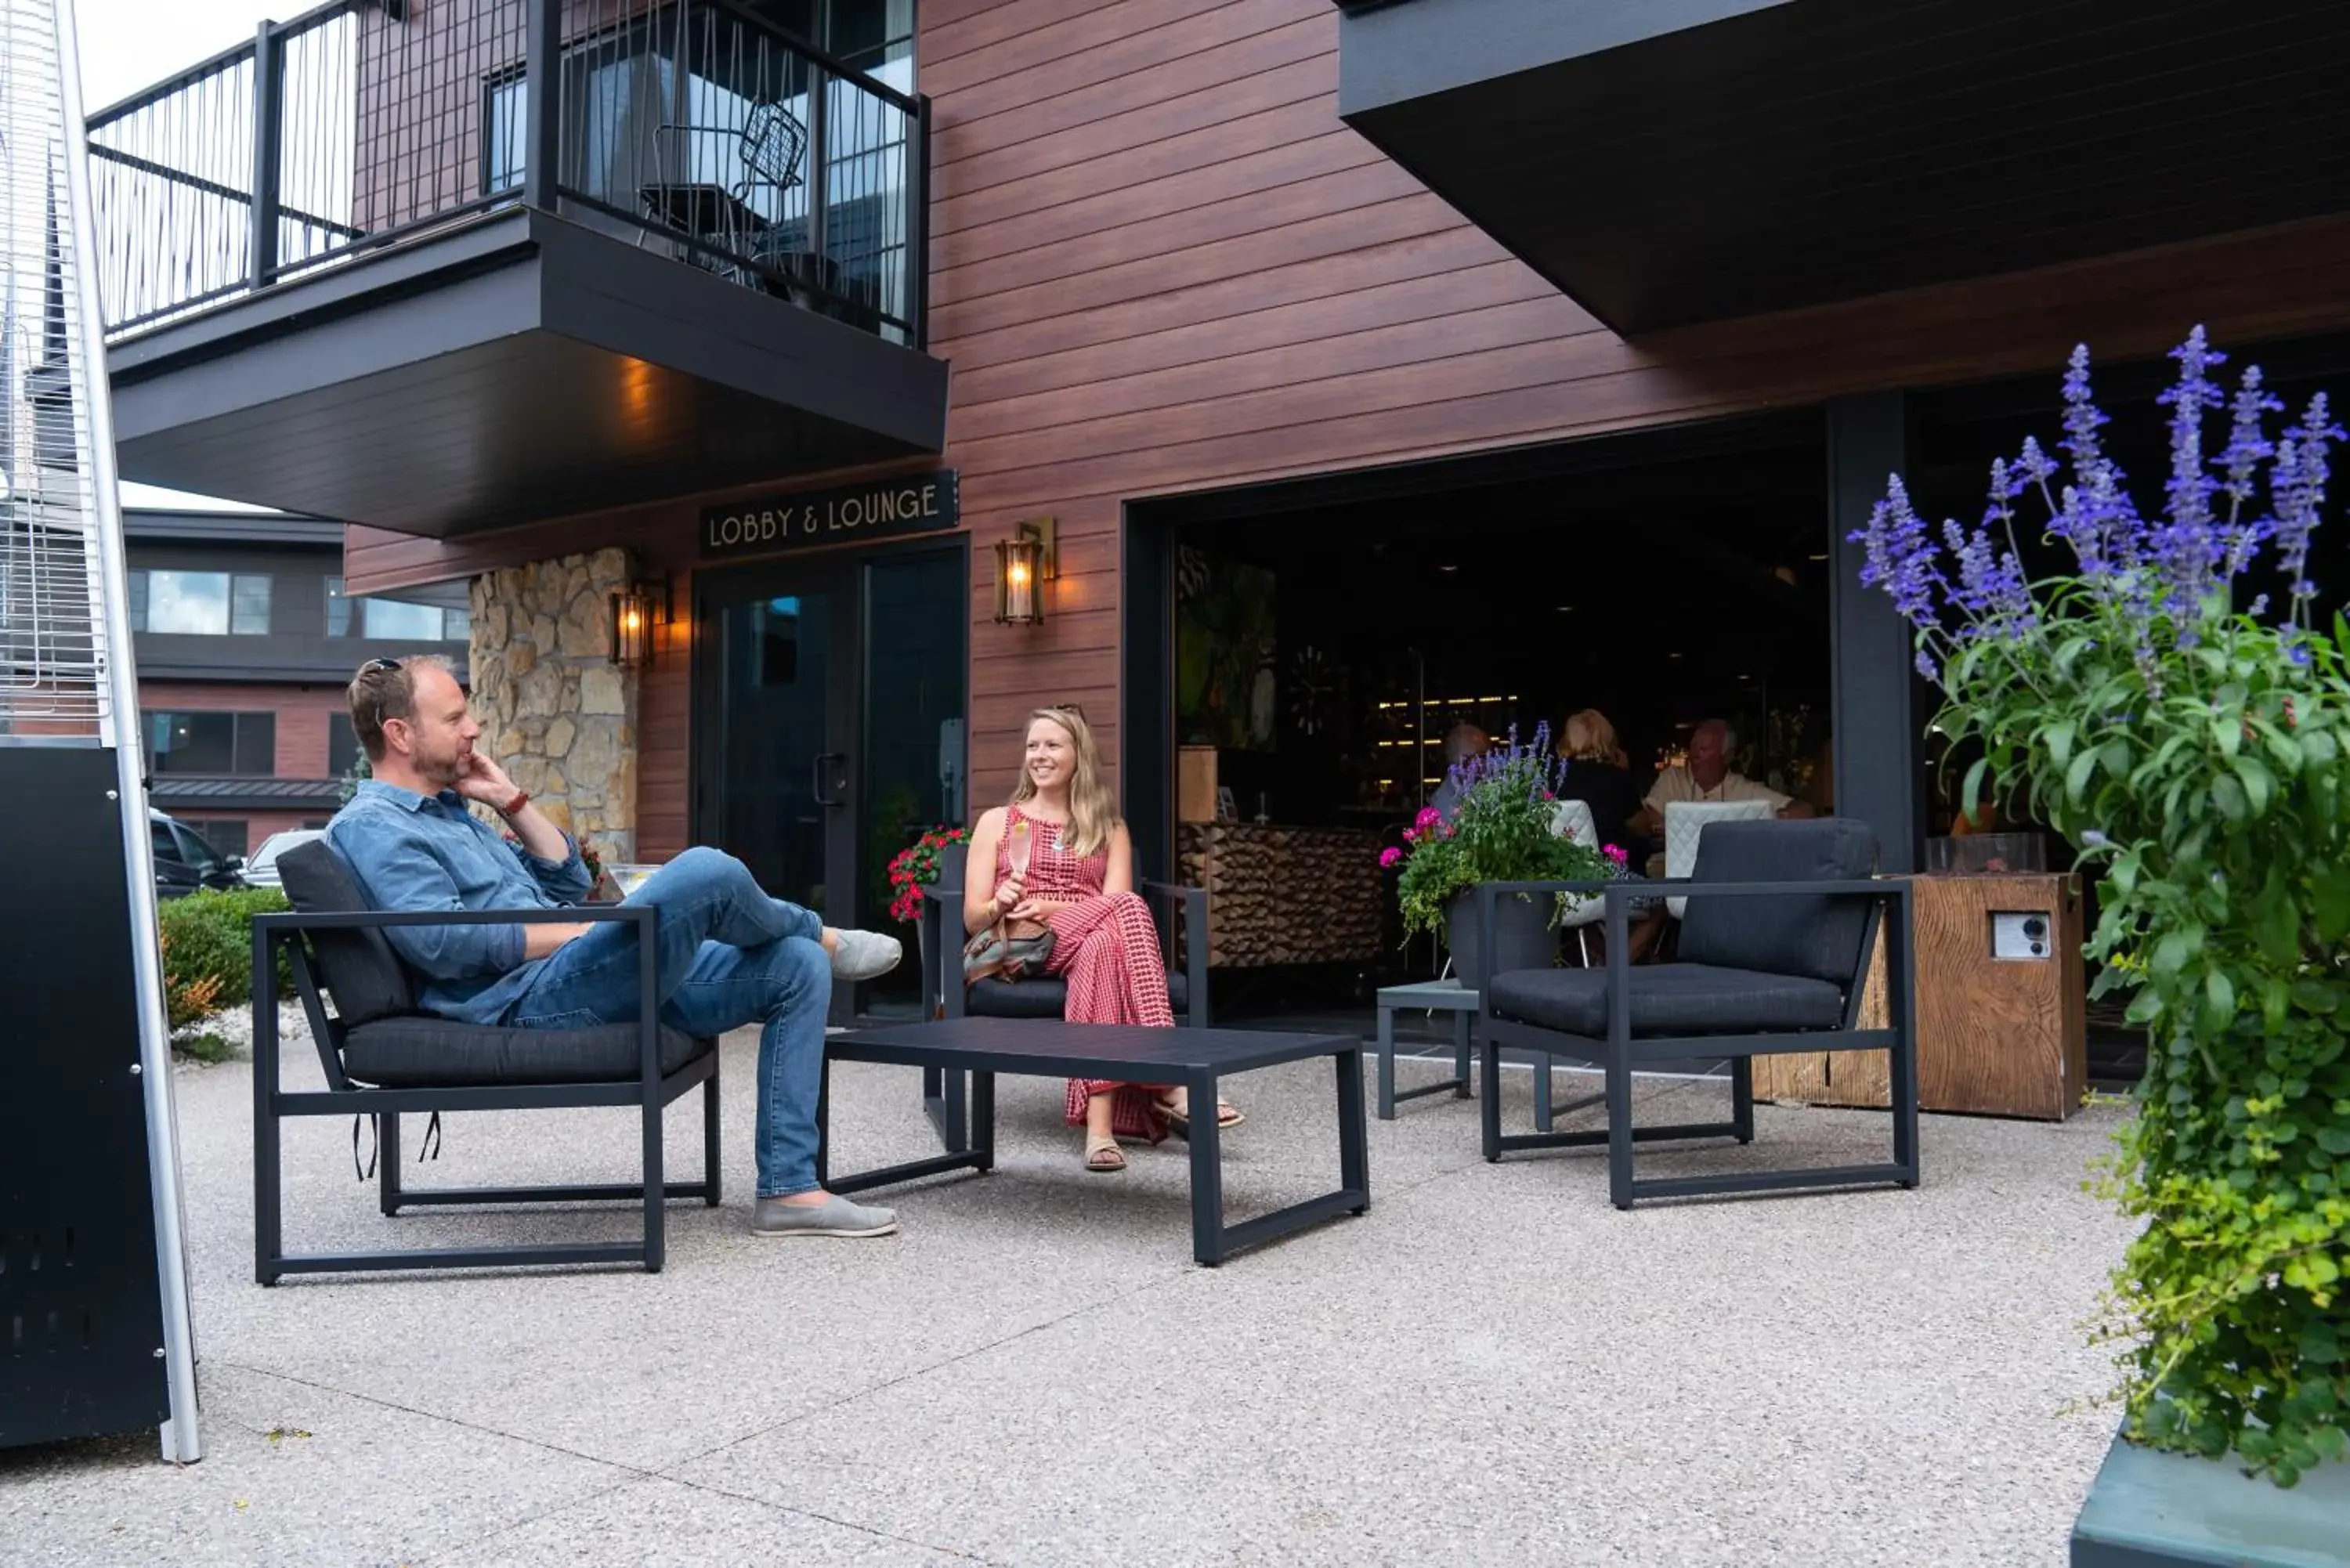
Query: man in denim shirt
(727, 954)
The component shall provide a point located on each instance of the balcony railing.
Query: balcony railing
(690, 127)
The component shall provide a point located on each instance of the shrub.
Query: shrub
(208, 951)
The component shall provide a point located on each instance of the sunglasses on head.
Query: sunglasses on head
(379, 667)
(1076, 708)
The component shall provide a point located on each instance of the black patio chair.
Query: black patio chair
(1040, 997)
(384, 1058)
(1774, 951)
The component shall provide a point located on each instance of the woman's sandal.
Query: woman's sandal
(1227, 1115)
(1104, 1156)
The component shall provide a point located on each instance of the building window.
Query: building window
(248, 614)
(226, 835)
(199, 604)
(191, 604)
(339, 609)
(397, 620)
(342, 746)
(213, 744)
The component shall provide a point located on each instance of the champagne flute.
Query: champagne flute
(1019, 853)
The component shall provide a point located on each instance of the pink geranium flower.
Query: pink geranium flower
(1615, 852)
(1429, 817)
(1389, 857)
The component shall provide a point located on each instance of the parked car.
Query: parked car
(261, 866)
(184, 862)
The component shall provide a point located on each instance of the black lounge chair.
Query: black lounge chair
(1774, 951)
(384, 1058)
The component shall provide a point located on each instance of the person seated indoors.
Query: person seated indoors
(1462, 742)
(1707, 776)
(1059, 857)
(726, 955)
(1598, 774)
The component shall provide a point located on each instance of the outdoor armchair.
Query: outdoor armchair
(1782, 918)
(383, 1058)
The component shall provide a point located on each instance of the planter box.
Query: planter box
(2153, 1509)
(1523, 938)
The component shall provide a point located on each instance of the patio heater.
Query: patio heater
(94, 1323)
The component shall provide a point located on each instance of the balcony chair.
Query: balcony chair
(383, 1058)
(1040, 997)
(1781, 922)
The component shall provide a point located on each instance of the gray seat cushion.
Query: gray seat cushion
(1045, 996)
(1669, 1000)
(418, 1051)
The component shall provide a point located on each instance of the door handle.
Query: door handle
(822, 777)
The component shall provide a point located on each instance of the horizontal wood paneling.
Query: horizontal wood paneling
(1156, 271)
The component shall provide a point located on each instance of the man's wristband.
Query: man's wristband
(521, 799)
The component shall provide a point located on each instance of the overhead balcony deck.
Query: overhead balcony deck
(497, 263)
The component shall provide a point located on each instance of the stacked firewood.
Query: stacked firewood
(1283, 895)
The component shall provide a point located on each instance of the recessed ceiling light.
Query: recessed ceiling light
(1566, 609)
(1821, 557)
(1672, 656)
(1448, 568)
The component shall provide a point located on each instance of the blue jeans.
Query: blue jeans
(725, 955)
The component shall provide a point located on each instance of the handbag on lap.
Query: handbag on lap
(1013, 949)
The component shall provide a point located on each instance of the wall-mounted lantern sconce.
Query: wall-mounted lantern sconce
(1023, 564)
(636, 610)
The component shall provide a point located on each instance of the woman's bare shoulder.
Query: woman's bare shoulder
(990, 820)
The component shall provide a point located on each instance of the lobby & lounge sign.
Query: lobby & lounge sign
(848, 514)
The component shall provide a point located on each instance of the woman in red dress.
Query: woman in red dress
(1059, 856)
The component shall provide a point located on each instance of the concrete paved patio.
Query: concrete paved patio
(1492, 1367)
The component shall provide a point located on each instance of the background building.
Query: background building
(244, 640)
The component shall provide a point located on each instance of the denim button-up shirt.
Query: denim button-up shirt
(416, 852)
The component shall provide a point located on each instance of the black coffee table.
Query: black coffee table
(1197, 1059)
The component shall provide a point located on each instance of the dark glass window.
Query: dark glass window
(226, 835)
(212, 744)
(249, 606)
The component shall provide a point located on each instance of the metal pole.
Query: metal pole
(268, 148)
(543, 104)
(182, 1442)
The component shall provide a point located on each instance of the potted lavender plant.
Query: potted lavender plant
(1500, 832)
(2191, 734)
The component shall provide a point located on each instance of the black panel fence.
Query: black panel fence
(692, 128)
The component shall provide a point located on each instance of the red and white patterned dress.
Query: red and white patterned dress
(1105, 945)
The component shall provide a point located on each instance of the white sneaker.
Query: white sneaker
(862, 955)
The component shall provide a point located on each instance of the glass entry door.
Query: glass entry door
(828, 703)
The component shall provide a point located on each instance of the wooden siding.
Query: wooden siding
(1161, 265)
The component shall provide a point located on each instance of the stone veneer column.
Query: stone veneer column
(553, 708)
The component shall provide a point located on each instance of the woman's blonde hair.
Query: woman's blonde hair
(1588, 737)
(1093, 813)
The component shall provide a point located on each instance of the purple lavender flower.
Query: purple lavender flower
(2245, 530)
(2187, 547)
(1899, 555)
(2297, 488)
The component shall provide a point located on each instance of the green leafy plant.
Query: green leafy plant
(208, 951)
(1499, 832)
(2200, 751)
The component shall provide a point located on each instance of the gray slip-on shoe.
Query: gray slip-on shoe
(836, 1216)
(862, 955)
